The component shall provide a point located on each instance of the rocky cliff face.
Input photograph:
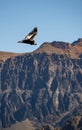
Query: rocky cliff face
(73, 124)
(44, 86)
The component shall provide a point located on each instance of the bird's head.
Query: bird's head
(35, 29)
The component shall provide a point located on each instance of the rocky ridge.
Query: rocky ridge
(44, 86)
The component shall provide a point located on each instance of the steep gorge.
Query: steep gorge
(44, 86)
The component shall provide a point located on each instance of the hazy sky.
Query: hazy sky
(57, 20)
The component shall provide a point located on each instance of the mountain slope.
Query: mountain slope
(44, 86)
(24, 125)
(74, 123)
(6, 55)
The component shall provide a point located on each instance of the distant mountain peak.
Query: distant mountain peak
(60, 44)
(77, 42)
(73, 50)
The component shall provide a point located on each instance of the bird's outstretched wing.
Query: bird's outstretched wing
(32, 34)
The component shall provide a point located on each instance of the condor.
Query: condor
(29, 39)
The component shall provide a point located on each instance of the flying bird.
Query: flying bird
(29, 39)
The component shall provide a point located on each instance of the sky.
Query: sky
(56, 20)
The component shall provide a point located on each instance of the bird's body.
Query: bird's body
(31, 42)
(29, 39)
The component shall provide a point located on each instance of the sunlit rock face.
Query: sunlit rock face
(44, 86)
